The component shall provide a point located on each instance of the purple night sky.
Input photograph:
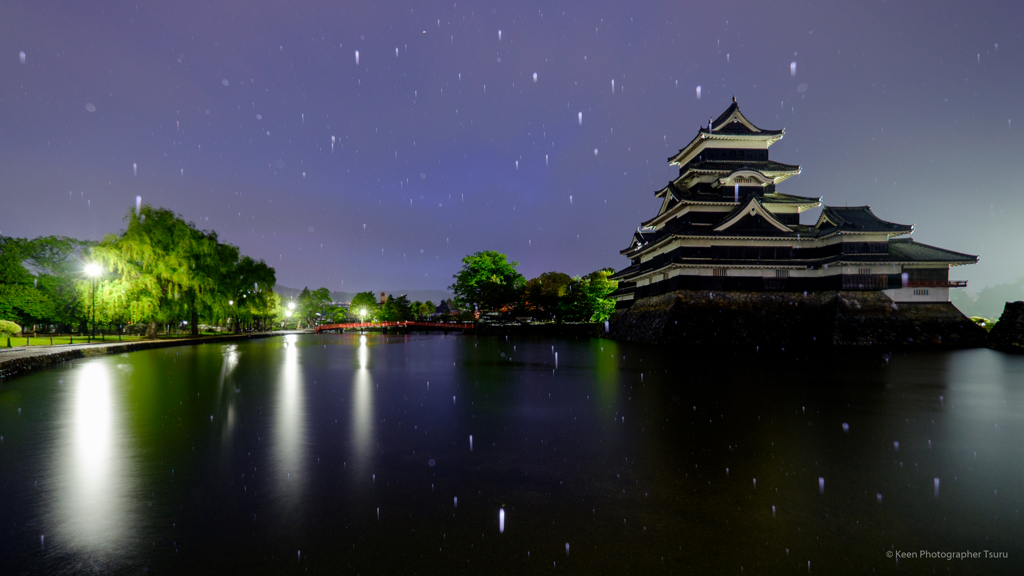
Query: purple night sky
(453, 145)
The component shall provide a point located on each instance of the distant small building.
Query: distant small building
(383, 298)
(723, 226)
(445, 307)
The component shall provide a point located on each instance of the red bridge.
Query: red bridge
(406, 324)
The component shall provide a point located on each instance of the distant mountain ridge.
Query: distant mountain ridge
(434, 296)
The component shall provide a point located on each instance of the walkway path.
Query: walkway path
(21, 359)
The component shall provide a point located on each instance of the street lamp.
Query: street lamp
(93, 270)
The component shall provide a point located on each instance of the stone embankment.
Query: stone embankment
(19, 360)
(542, 330)
(777, 320)
(1008, 333)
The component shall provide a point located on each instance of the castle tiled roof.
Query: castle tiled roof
(859, 219)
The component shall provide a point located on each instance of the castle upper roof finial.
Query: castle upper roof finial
(734, 99)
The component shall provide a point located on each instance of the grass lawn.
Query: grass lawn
(45, 340)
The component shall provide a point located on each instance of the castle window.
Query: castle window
(782, 273)
(863, 270)
(920, 291)
(719, 272)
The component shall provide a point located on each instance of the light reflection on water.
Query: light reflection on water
(93, 503)
(362, 411)
(631, 470)
(289, 432)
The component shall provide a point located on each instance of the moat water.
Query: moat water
(431, 454)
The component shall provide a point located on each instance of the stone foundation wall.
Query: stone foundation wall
(792, 319)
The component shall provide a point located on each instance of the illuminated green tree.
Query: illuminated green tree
(488, 281)
(364, 306)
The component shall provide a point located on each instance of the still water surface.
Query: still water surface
(430, 454)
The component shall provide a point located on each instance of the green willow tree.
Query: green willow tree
(168, 269)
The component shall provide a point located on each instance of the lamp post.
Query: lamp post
(93, 270)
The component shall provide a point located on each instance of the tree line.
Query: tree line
(159, 270)
(487, 281)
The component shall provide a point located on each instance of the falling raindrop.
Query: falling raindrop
(501, 521)
(517, 164)
(821, 485)
(936, 487)
(357, 57)
(224, 81)
(456, 501)
(21, 56)
(470, 439)
(846, 427)
(499, 35)
(879, 497)
(580, 118)
(755, 483)
(138, 204)
(792, 68)
(773, 511)
(698, 92)
(89, 106)
(546, 160)
(534, 77)
(570, 198)
(613, 86)
(135, 169)
(595, 151)
(726, 57)
(896, 446)
(566, 548)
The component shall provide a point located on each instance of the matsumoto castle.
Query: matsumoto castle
(723, 226)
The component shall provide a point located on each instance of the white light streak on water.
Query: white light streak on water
(289, 424)
(91, 504)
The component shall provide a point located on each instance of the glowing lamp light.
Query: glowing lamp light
(288, 313)
(291, 305)
(93, 269)
(231, 302)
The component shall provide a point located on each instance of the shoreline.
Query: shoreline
(17, 361)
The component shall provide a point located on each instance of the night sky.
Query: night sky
(469, 136)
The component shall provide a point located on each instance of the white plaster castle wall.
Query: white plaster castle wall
(929, 294)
